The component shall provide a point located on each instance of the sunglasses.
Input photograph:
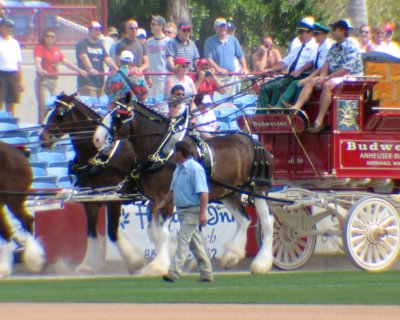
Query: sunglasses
(184, 66)
(179, 94)
(365, 32)
(186, 30)
(50, 36)
(316, 33)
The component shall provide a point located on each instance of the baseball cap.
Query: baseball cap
(141, 33)
(184, 26)
(320, 28)
(219, 22)
(342, 23)
(201, 62)
(207, 99)
(159, 19)
(95, 25)
(231, 24)
(390, 27)
(306, 24)
(112, 31)
(127, 56)
(6, 22)
(181, 60)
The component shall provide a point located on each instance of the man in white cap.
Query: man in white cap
(91, 56)
(221, 50)
(295, 65)
(128, 79)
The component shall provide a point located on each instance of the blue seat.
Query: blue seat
(44, 183)
(220, 98)
(89, 101)
(39, 172)
(38, 164)
(104, 101)
(233, 125)
(51, 156)
(246, 100)
(223, 126)
(64, 182)
(58, 169)
(14, 140)
(70, 154)
(5, 114)
(6, 127)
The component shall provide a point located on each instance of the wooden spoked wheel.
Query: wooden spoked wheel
(372, 234)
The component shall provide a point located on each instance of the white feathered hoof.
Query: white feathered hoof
(84, 269)
(131, 253)
(156, 268)
(231, 257)
(5, 270)
(261, 267)
(33, 256)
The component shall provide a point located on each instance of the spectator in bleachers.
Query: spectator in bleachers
(11, 84)
(170, 30)
(364, 38)
(267, 55)
(380, 44)
(180, 76)
(131, 43)
(128, 79)
(3, 12)
(206, 80)
(47, 57)
(182, 47)
(156, 49)
(393, 46)
(205, 122)
(176, 101)
(221, 50)
(91, 56)
(142, 36)
(231, 26)
(110, 39)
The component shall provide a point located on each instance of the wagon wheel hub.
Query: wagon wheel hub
(376, 233)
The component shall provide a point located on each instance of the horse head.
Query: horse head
(67, 115)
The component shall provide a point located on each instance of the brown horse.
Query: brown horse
(71, 116)
(234, 157)
(15, 182)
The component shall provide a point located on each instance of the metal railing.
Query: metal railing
(70, 22)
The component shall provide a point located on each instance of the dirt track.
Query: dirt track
(23, 311)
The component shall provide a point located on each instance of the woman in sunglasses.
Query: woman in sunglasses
(181, 77)
(47, 57)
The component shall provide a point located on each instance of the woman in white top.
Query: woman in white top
(180, 77)
(205, 122)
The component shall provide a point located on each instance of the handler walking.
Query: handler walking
(189, 192)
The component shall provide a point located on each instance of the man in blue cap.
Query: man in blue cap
(296, 65)
(324, 44)
(343, 59)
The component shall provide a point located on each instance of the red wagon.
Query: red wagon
(350, 172)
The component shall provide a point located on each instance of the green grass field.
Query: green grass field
(356, 287)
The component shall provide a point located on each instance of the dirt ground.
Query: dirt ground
(93, 311)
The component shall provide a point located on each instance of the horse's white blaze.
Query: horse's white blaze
(263, 261)
(235, 250)
(94, 256)
(6, 259)
(101, 133)
(160, 236)
(33, 256)
(132, 254)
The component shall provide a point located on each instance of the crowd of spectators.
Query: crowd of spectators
(170, 57)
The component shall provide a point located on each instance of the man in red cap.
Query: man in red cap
(393, 48)
(206, 81)
(182, 46)
(91, 55)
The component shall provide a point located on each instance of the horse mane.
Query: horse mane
(87, 110)
(149, 112)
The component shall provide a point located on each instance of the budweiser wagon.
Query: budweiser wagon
(350, 172)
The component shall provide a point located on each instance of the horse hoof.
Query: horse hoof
(33, 256)
(5, 271)
(231, 258)
(258, 268)
(155, 268)
(84, 270)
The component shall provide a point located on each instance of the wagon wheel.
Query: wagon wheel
(291, 249)
(372, 234)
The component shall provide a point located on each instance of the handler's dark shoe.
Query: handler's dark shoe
(169, 277)
(206, 279)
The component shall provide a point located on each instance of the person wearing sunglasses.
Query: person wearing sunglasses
(47, 58)
(181, 77)
(206, 80)
(364, 38)
(131, 43)
(182, 46)
(176, 101)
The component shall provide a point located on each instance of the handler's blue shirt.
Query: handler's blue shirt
(188, 181)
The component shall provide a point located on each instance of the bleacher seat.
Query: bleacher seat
(89, 101)
(44, 183)
(39, 172)
(223, 126)
(6, 128)
(245, 101)
(14, 140)
(220, 98)
(64, 182)
(57, 169)
(51, 157)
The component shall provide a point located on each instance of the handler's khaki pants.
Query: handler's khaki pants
(189, 237)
